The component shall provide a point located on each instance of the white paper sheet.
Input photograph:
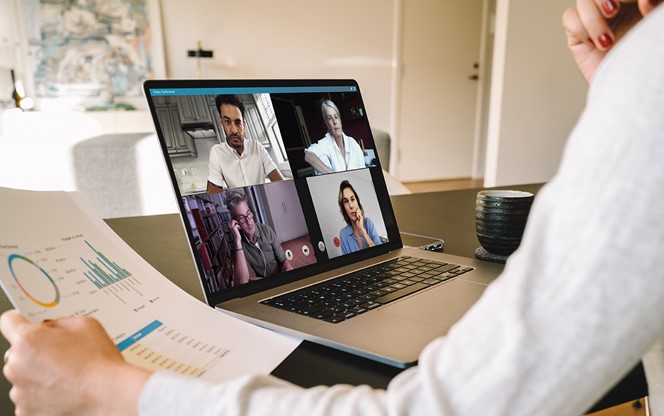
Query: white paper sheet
(57, 259)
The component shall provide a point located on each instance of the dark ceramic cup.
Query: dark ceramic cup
(500, 218)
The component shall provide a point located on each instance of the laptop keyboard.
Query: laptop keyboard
(353, 294)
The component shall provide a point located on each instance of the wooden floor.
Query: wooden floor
(625, 409)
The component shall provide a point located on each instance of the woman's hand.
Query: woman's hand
(68, 366)
(359, 222)
(594, 26)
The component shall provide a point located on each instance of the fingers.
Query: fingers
(84, 323)
(235, 227)
(603, 22)
(593, 15)
(647, 6)
(576, 32)
(13, 325)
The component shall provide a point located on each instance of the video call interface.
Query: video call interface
(248, 227)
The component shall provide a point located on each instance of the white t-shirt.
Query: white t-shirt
(228, 169)
(328, 152)
(579, 303)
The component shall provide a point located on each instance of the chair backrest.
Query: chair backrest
(382, 141)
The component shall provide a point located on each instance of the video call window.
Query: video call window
(249, 234)
(192, 127)
(348, 212)
(310, 121)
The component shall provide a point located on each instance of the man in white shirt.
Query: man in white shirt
(238, 161)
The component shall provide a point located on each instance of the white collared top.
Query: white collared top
(228, 169)
(328, 152)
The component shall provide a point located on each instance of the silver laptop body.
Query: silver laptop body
(304, 212)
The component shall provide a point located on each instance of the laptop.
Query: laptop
(317, 255)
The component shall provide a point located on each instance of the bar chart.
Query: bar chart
(73, 265)
(103, 272)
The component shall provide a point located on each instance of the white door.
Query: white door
(441, 44)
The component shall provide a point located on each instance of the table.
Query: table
(448, 215)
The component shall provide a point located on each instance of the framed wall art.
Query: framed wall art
(93, 52)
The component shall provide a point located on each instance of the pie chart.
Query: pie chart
(37, 285)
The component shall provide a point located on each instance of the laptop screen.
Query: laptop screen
(276, 180)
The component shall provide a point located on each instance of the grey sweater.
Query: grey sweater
(577, 306)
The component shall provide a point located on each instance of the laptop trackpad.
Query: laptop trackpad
(441, 306)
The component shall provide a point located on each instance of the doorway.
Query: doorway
(443, 62)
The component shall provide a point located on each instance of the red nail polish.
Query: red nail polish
(591, 41)
(610, 7)
(655, 2)
(605, 41)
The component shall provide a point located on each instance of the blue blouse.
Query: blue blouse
(348, 241)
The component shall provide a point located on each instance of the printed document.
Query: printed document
(58, 259)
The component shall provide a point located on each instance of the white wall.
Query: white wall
(537, 93)
(285, 210)
(10, 55)
(294, 39)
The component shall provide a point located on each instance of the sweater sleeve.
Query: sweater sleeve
(579, 303)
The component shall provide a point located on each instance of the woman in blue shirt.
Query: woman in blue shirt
(360, 232)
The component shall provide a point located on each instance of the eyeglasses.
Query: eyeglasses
(244, 218)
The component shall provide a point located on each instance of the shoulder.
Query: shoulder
(252, 144)
(216, 154)
(354, 148)
(255, 147)
(351, 141)
(322, 145)
(265, 230)
(326, 140)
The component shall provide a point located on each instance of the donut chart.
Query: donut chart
(45, 303)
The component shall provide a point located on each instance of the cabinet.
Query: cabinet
(216, 122)
(178, 142)
(163, 101)
(193, 109)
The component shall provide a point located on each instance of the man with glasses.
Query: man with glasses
(256, 244)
